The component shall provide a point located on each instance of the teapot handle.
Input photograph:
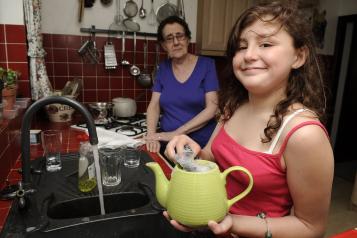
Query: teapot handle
(246, 191)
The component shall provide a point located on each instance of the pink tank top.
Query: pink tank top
(270, 193)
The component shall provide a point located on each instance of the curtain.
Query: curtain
(40, 84)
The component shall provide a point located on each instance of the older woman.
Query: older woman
(184, 92)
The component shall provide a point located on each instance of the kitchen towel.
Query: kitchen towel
(113, 140)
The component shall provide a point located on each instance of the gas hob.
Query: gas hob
(134, 127)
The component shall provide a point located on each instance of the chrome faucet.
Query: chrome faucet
(25, 135)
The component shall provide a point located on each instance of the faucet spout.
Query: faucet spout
(26, 124)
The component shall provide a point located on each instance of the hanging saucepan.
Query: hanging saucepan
(144, 79)
(165, 10)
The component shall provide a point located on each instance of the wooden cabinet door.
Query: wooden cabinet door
(215, 20)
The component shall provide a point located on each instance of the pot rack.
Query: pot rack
(94, 30)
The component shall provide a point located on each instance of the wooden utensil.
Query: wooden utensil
(80, 10)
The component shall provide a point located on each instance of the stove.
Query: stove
(130, 126)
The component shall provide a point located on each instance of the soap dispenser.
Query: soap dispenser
(86, 169)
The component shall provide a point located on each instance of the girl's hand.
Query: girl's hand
(176, 146)
(175, 224)
(223, 227)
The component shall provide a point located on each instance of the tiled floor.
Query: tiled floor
(341, 218)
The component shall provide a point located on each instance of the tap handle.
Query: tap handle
(21, 194)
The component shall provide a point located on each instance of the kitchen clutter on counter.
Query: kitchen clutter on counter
(63, 113)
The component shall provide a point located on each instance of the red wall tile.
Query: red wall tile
(16, 52)
(60, 69)
(24, 89)
(15, 34)
(73, 56)
(60, 55)
(3, 55)
(75, 69)
(2, 33)
(74, 42)
(23, 68)
(13, 53)
(59, 41)
(90, 95)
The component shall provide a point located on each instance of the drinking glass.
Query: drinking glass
(52, 144)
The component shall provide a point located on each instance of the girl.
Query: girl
(271, 106)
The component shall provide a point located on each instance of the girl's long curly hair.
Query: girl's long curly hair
(305, 84)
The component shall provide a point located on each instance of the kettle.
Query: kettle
(194, 198)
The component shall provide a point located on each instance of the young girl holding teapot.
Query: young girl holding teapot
(271, 106)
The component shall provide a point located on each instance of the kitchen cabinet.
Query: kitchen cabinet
(215, 19)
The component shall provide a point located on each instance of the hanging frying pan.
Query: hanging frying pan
(165, 10)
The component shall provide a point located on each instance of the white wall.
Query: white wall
(11, 12)
(334, 9)
(61, 16)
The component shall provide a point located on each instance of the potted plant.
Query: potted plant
(9, 87)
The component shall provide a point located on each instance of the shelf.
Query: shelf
(94, 30)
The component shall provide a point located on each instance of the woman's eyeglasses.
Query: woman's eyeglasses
(179, 37)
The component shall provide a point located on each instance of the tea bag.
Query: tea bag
(188, 162)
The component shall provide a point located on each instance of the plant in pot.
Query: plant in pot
(9, 81)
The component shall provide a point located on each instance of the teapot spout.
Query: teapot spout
(162, 183)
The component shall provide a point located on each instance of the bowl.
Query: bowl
(60, 112)
(99, 111)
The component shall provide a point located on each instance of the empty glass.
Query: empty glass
(132, 157)
(52, 144)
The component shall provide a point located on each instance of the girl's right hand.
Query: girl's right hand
(177, 144)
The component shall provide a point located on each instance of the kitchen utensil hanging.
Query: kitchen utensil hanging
(117, 24)
(180, 9)
(142, 10)
(144, 79)
(134, 70)
(131, 25)
(130, 10)
(88, 51)
(110, 59)
(152, 16)
(106, 2)
(80, 10)
(165, 10)
(123, 61)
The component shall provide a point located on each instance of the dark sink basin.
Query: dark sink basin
(58, 209)
(89, 206)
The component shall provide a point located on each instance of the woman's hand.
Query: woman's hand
(176, 146)
(152, 142)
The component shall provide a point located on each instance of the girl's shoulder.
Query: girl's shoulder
(304, 131)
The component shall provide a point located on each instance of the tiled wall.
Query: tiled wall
(13, 54)
(63, 63)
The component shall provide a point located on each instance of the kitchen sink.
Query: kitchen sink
(113, 203)
(59, 209)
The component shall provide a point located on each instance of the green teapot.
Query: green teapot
(194, 198)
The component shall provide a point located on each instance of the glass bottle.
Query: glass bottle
(86, 170)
